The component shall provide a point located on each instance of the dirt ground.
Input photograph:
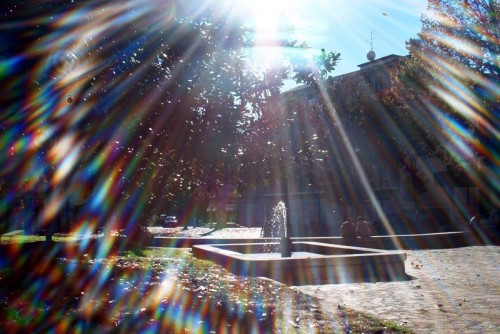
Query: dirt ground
(448, 291)
(206, 232)
(451, 291)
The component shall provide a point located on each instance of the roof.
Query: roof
(380, 62)
(362, 67)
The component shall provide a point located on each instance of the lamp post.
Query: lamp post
(285, 241)
(49, 230)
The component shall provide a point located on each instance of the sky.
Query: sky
(346, 27)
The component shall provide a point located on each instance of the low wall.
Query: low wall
(319, 264)
(407, 241)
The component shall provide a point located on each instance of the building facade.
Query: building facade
(360, 177)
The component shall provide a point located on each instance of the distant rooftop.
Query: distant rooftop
(362, 67)
(380, 62)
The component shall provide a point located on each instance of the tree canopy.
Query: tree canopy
(464, 32)
(142, 103)
(450, 85)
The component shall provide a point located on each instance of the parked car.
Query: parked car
(170, 221)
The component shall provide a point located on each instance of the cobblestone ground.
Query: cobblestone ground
(451, 291)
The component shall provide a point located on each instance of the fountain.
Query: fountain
(303, 262)
(277, 226)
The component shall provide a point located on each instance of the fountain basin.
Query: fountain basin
(310, 262)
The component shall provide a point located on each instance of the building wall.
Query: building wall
(388, 200)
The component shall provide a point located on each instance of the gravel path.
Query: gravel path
(206, 232)
(451, 291)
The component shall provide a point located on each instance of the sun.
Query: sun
(266, 17)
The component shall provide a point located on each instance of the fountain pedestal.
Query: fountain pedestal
(286, 247)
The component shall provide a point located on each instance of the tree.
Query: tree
(455, 61)
(374, 126)
(161, 98)
(464, 32)
(449, 86)
(313, 68)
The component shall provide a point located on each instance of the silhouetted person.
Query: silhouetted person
(362, 228)
(348, 229)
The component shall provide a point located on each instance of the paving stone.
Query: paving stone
(451, 291)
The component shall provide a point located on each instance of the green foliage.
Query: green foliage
(388, 120)
(364, 323)
(454, 62)
(34, 238)
(450, 84)
(165, 101)
(462, 32)
(219, 100)
(314, 68)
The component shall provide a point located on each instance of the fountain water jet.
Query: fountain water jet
(277, 226)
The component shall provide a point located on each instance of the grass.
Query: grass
(359, 322)
(158, 290)
(36, 238)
